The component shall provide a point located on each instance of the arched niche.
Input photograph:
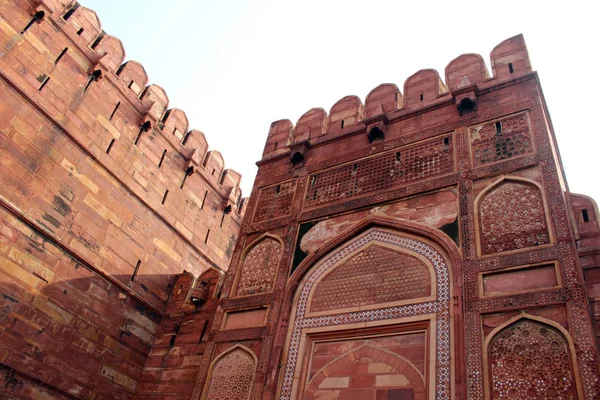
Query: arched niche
(367, 363)
(511, 214)
(231, 375)
(433, 311)
(258, 266)
(530, 357)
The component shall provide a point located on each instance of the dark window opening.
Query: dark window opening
(213, 172)
(375, 134)
(37, 17)
(98, 40)
(204, 200)
(206, 238)
(342, 124)
(277, 189)
(44, 82)
(226, 211)
(144, 128)
(135, 273)
(584, 214)
(187, 173)
(130, 84)
(61, 55)
(510, 68)
(174, 130)
(297, 159)
(446, 143)
(186, 137)
(94, 77)
(80, 31)
(162, 158)
(421, 98)
(222, 178)
(164, 197)
(110, 146)
(313, 180)
(466, 105)
(71, 11)
(174, 337)
(275, 147)
(203, 331)
(114, 111)
(498, 128)
(398, 156)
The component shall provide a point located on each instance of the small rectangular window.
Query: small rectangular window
(44, 82)
(206, 238)
(342, 124)
(510, 68)
(584, 214)
(135, 272)
(162, 158)
(204, 200)
(110, 146)
(421, 97)
(61, 55)
(165, 197)
(114, 111)
(498, 128)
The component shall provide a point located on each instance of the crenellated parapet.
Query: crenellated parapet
(465, 76)
(138, 157)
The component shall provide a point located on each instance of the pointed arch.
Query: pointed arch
(515, 359)
(398, 365)
(382, 276)
(525, 226)
(437, 313)
(235, 365)
(258, 266)
(437, 237)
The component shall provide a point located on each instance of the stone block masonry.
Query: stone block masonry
(106, 197)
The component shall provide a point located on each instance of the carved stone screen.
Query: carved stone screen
(529, 360)
(376, 275)
(500, 140)
(512, 217)
(231, 377)
(259, 267)
(411, 163)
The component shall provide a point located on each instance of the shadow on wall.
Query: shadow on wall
(85, 338)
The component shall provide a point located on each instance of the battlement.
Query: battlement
(423, 90)
(64, 78)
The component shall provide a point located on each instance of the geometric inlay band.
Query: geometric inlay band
(440, 306)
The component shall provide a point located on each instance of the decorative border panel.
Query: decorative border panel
(440, 306)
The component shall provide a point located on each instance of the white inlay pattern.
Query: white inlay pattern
(440, 306)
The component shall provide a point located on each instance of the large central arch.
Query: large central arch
(435, 310)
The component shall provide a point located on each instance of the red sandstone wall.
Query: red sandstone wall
(472, 160)
(96, 220)
(586, 219)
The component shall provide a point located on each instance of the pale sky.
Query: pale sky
(236, 66)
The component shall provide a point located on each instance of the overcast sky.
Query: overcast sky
(236, 66)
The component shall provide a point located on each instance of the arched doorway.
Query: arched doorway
(380, 289)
